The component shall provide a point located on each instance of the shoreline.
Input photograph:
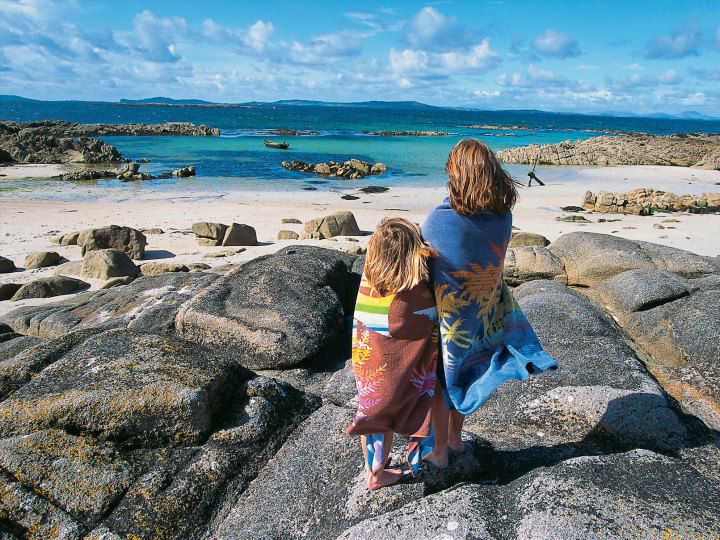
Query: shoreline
(29, 223)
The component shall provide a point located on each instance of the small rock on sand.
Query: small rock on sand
(41, 259)
(288, 235)
(6, 265)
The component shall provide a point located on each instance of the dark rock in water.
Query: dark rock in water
(309, 188)
(6, 265)
(185, 172)
(674, 321)
(600, 399)
(7, 290)
(323, 505)
(351, 169)
(524, 239)
(628, 496)
(87, 174)
(41, 259)
(572, 208)
(349, 197)
(48, 287)
(374, 189)
(272, 312)
(337, 224)
(238, 234)
(108, 263)
(147, 304)
(125, 239)
(591, 257)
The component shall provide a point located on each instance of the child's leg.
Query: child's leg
(454, 440)
(439, 456)
(382, 477)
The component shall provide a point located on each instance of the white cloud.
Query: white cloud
(556, 44)
(479, 58)
(639, 80)
(430, 30)
(676, 45)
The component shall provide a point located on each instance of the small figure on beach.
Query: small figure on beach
(485, 338)
(532, 176)
(394, 350)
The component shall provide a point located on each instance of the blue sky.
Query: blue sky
(587, 56)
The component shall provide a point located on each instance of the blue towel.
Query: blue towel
(485, 337)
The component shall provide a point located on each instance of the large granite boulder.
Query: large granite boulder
(108, 263)
(638, 494)
(147, 304)
(209, 233)
(275, 311)
(675, 321)
(238, 234)
(593, 257)
(7, 290)
(48, 287)
(15, 345)
(600, 399)
(127, 434)
(528, 263)
(337, 224)
(41, 259)
(126, 239)
(325, 500)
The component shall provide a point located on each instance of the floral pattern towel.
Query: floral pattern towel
(485, 337)
(394, 357)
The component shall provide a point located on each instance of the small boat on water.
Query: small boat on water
(280, 146)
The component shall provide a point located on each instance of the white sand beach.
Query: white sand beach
(28, 224)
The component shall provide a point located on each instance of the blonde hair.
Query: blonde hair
(477, 182)
(397, 256)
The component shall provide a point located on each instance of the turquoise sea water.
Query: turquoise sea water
(238, 160)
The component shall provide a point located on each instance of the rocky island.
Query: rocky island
(66, 142)
(698, 150)
(407, 133)
(351, 169)
(246, 373)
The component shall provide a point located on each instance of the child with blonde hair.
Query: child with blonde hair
(395, 348)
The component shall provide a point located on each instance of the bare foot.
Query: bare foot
(383, 477)
(456, 445)
(440, 460)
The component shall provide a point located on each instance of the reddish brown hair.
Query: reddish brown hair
(477, 182)
(396, 256)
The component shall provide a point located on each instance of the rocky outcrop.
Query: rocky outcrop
(637, 494)
(126, 239)
(528, 263)
(351, 169)
(69, 129)
(337, 224)
(669, 317)
(645, 201)
(7, 290)
(591, 257)
(148, 304)
(407, 133)
(48, 287)
(149, 456)
(119, 428)
(639, 149)
(274, 312)
(87, 174)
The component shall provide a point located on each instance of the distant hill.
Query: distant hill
(167, 100)
(7, 98)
